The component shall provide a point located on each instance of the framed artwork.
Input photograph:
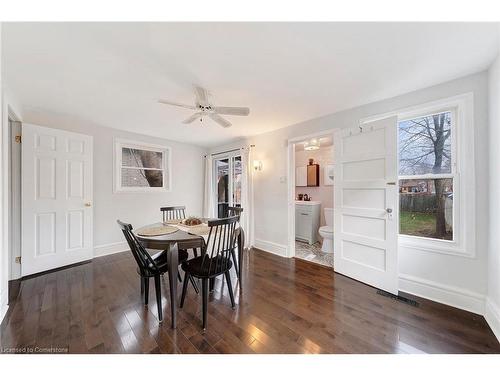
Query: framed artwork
(328, 178)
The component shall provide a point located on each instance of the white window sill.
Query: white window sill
(139, 190)
(434, 246)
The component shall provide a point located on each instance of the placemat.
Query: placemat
(199, 230)
(186, 227)
(173, 221)
(157, 231)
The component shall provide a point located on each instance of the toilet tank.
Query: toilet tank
(329, 217)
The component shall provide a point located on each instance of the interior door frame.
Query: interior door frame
(290, 249)
(12, 273)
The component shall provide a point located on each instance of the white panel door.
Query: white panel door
(366, 209)
(56, 198)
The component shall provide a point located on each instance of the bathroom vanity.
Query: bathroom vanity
(307, 220)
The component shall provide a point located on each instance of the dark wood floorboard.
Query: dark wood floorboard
(287, 306)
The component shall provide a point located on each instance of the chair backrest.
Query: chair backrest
(221, 240)
(234, 211)
(173, 213)
(142, 257)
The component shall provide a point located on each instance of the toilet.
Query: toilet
(326, 232)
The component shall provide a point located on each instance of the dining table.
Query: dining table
(184, 240)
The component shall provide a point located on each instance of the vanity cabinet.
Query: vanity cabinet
(307, 219)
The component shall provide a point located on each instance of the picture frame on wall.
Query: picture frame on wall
(328, 177)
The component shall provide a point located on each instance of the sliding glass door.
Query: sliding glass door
(227, 183)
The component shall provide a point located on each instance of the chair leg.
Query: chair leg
(193, 282)
(158, 297)
(187, 277)
(179, 277)
(204, 292)
(230, 288)
(236, 267)
(142, 285)
(146, 290)
(212, 284)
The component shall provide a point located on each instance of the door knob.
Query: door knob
(88, 204)
(388, 210)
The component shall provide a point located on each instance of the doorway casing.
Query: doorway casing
(290, 251)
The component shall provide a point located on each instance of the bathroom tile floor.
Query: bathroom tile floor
(313, 253)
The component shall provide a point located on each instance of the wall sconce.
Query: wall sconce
(257, 165)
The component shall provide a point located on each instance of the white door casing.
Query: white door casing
(56, 198)
(366, 204)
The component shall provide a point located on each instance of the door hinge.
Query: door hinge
(18, 139)
(18, 260)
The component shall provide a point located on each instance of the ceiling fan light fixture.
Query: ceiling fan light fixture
(311, 145)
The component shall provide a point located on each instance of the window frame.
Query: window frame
(120, 144)
(463, 174)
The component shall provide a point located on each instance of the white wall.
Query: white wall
(456, 280)
(136, 208)
(322, 193)
(493, 301)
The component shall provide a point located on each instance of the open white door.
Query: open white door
(56, 198)
(366, 209)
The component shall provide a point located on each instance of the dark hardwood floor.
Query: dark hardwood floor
(287, 306)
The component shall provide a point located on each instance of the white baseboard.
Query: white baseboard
(271, 247)
(449, 295)
(492, 316)
(110, 248)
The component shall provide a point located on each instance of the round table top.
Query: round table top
(161, 241)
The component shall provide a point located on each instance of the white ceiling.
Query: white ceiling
(112, 73)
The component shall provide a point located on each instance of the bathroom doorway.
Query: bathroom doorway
(310, 198)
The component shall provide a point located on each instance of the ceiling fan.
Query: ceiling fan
(203, 108)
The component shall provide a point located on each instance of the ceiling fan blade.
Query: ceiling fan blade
(201, 95)
(192, 118)
(235, 111)
(176, 104)
(220, 120)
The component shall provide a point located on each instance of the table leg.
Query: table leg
(241, 244)
(173, 269)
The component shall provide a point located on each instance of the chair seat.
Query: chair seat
(204, 266)
(161, 261)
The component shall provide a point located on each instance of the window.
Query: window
(427, 175)
(437, 197)
(141, 167)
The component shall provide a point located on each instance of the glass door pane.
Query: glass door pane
(222, 188)
(236, 179)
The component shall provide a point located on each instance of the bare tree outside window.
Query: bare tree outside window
(142, 168)
(425, 150)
